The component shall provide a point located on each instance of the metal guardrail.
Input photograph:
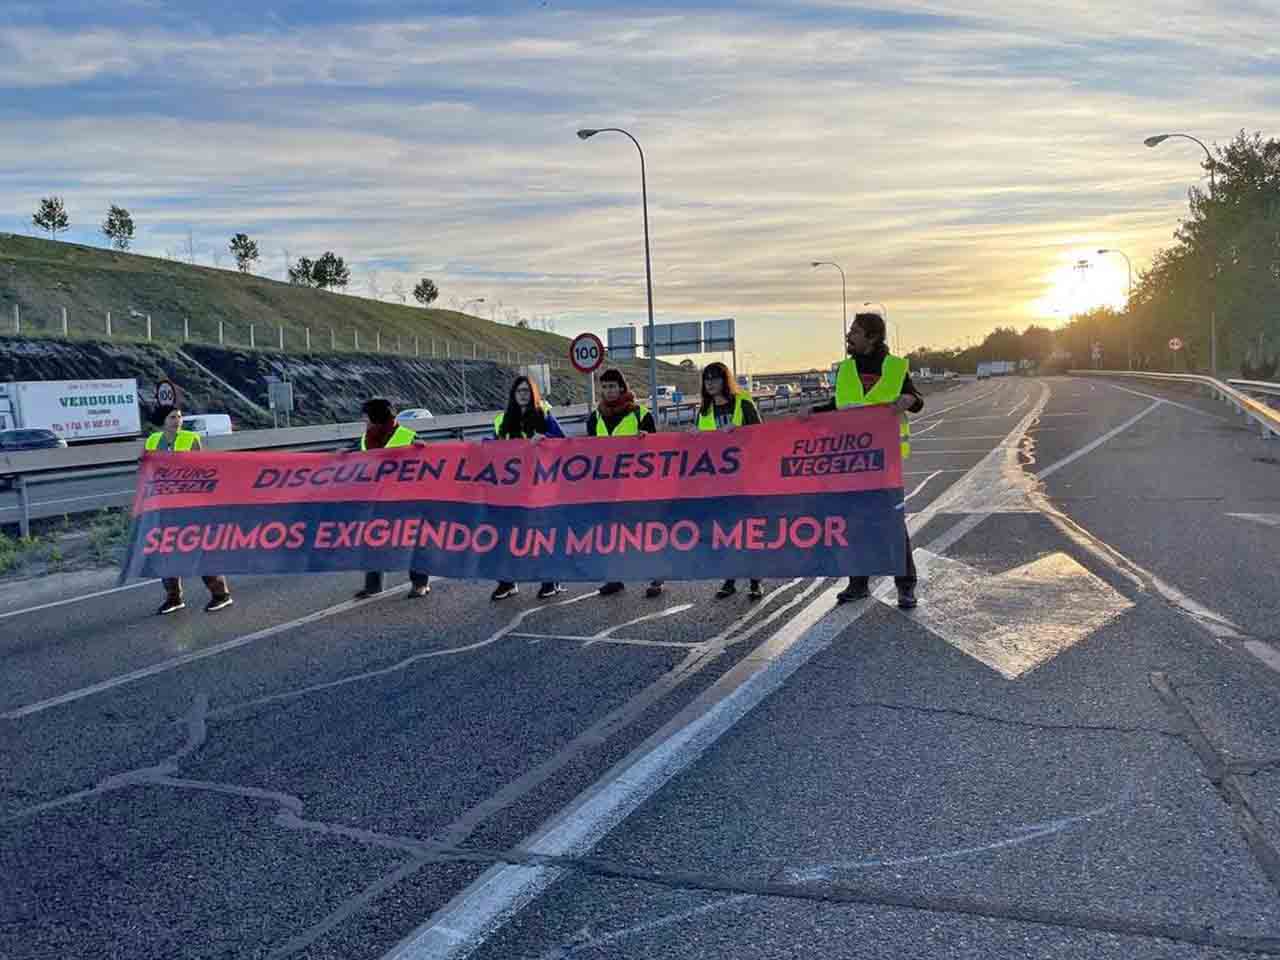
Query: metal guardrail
(1234, 392)
(35, 467)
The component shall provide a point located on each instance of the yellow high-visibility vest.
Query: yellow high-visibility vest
(403, 437)
(183, 441)
(893, 375)
(628, 426)
(707, 421)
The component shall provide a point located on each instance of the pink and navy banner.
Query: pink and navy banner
(815, 497)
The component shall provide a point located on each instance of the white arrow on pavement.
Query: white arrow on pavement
(1016, 620)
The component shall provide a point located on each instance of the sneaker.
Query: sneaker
(727, 589)
(549, 590)
(859, 588)
(757, 590)
(504, 590)
(218, 603)
(654, 589)
(171, 606)
(612, 587)
(418, 591)
(907, 598)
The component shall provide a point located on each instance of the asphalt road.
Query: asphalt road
(1072, 748)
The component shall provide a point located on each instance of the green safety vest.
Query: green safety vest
(403, 437)
(628, 426)
(888, 388)
(185, 440)
(707, 421)
(497, 421)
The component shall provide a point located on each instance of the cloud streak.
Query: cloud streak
(951, 156)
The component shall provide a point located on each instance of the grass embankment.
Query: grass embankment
(42, 277)
(57, 545)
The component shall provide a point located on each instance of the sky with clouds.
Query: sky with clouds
(955, 157)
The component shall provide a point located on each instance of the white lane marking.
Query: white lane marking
(916, 434)
(1019, 405)
(963, 403)
(1264, 652)
(921, 486)
(649, 926)
(1020, 835)
(668, 612)
(407, 662)
(1172, 403)
(467, 920)
(173, 663)
(616, 641)
(1090, 447)
(1268, 519)
(934, 473)
(87, 596)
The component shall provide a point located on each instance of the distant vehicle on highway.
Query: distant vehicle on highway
(12, 441)
(784, 391)
(207, 424)
(21, 439)
(416, 413)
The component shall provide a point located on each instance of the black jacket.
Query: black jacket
(870, 365)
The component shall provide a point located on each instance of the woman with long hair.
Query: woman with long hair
(619, 415)
(725, 407)
(527, 417)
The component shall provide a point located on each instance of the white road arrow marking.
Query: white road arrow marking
(1017, 620)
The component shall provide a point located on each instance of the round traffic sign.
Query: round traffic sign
(166, 393)
(1175, 343)
(586, 353)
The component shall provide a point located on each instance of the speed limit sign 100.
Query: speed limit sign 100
(586, 352)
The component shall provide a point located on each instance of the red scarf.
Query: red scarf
(376, 435)
(626, 403)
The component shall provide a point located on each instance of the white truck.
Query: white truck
(76, 410)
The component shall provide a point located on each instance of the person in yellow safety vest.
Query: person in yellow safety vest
(173, 439)
(382, 432)
(527, 417)
(870, 374)
(725, 407)
(619, 415)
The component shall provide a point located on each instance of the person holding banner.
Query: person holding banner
(527, 417)
(619, 415)
(382, 432)
(871, 375)
(725, 407)
(173, 439)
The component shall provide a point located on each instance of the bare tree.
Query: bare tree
(191, 246)
(375, 292)
(399, 290)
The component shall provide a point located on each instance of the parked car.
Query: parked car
(207, 424)
(12, 441)
(416, 413)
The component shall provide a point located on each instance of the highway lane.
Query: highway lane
(991, 776)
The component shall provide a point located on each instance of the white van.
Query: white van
(207, 424)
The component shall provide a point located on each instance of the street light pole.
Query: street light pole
(844, 302)
(1213, 192)
(648, 269)
(1129, 300)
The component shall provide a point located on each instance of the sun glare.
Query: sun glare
(1080, 281)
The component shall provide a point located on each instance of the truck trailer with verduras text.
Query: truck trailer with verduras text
(76, 410)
